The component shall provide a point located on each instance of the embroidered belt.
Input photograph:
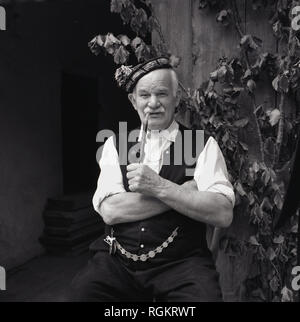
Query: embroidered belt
(114, 245)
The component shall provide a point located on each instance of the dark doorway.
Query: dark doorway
(79, 128)
(90, 98)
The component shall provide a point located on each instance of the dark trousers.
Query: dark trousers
(107, 279)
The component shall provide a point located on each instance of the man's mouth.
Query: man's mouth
(155, 114)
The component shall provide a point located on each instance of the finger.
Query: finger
(131, 182)
(133, 166)
(131, 174)
(132, 187)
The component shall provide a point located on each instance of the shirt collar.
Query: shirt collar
(169, 133)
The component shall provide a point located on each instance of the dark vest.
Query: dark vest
(152, 232)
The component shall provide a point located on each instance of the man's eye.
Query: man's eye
(162, 94)
(144, 95)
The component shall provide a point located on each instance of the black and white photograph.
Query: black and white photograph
(149, 153)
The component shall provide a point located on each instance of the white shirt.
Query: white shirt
(210, 171)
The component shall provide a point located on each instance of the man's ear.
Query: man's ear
(131, 98)
(178, 96)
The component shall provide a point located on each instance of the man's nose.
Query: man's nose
(153, 102)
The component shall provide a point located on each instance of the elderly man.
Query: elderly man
(155, 214)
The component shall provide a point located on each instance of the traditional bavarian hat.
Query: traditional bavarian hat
(128, 76)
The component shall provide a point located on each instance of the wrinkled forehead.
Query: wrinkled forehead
(158, 78)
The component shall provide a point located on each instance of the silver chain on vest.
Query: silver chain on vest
(114, 244)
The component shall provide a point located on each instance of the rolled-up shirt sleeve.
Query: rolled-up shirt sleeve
(110, 180)
(211, 172)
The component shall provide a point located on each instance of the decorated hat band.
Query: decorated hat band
(128, 76)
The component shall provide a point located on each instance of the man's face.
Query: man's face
(155, 95)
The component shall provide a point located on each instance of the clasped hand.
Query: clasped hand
(143, 179)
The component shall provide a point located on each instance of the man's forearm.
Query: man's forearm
(209, 207)
(130, 207)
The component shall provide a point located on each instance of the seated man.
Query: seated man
(155, 213)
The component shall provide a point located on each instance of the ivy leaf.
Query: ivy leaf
(275, 83)
(121, 55)
(271, 255)
(241, 123)
(251, 198)
(175, 61)
(225, 137)
(148, 3)
(283, 257)
(224, 17)
(211, 120)
(143, 52)
(111, 43)
(209, 87)
(277, 29)
(247, 74)
(138, 21)
(266, 176)
(287, 295)
(237, 67)
(95, 44)
(240, 189)
(278, 200)
(124, 40)
(274, 117)
(222, 71)
(237, 91)
(294, 251)
(260, 62)
(212, 95)
(214, 76)
(251, 85)
(278, 240)
(266, 204)
(128, 11)
(258, 212)
(244, 146)
(258, 108)
(137, 41)
(273, 175)
(112, 39)
(153, 24)
(274, 283)
(256, 167)
(295, 73)
(251, 43)
(202, 4)
(225, 73)
(281, 83)
(116, 6)
(294, 229)
(269, 146)
(100, 39)
(282, 5)
(253, 241)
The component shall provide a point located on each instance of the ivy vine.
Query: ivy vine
(215, 106)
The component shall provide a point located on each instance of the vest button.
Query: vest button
(142, 246)
(142, 229)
